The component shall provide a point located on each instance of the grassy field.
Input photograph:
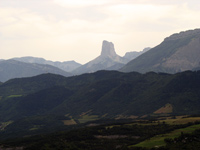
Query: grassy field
(87, 118)
(168, 120)
(158, 140)
(181, 120)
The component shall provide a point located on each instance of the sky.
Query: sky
(65, 30)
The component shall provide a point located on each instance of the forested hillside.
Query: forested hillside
(48, 98)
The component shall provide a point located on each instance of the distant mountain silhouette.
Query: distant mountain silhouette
(10, 69)
(179, 52)
(67, 66)
(134, 54)
(105, 61)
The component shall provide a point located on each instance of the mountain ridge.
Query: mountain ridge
(16, 69)
(67, 66)
(134, 54)
(179, 52)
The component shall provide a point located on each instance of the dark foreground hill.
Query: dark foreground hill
(179, 52)
(47, 100)
(104, 93)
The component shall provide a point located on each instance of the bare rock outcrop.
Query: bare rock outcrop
(108, 60)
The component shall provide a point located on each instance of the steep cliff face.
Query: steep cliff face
(178, 52)
(106, 61)
(108, 50)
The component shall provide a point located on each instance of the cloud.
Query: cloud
(17, 23)
(118, 18)
(56, 26)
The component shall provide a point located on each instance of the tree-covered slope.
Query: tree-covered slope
(24, 86)
(104, 93)
(47, 102)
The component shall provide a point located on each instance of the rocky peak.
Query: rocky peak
(108, 49)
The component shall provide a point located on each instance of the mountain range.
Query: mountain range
(30, 66)
(10, 69)
(67, 66)
(178, 52)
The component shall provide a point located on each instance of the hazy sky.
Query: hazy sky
(63, 30)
